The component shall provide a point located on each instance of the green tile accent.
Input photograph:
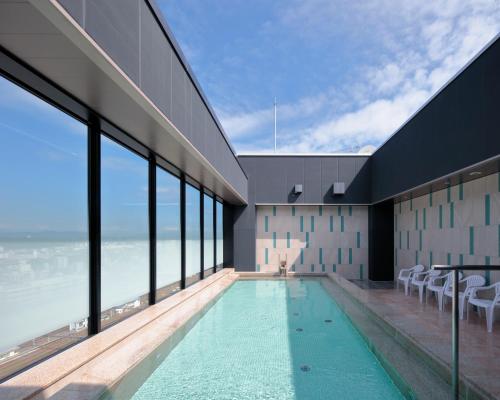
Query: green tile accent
(331, 223)
(461, 259)
(408, 240)
(339, 210)
(312, 267)
(425, 218)
(420, 240)
(350, 211)
(293, 211)
(452, 214)
(471, 240)
(416, 220)
(302, 256)
(360, 272)
(320, 255)
(312, 223)
(293, 267)
(307, 240)
(430, 199)
(358, 240)
(274, 240)
(342, 223)
(266, 223)
(266, 256)
(448, 194)
(274, 211)
(487, 276)
(288, 240)
(448, 259)
(323, 268)
(258, 268)
(334, 268)
(339, 256)
(400, 240)
(416, 257)
(460, 191)
(430, 259)
(302, 223)
(487, 209)
(350, 255)
(320, 210)
(440, 216)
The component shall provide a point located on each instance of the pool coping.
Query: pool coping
(468, 388)
(47, 377)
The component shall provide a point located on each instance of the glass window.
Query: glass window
(193, 235)
(220, 235)
(168, 234)
(44, 273)
(208, 235)
(124, 232)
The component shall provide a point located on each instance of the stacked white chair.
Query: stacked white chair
(421, 280)
(406, 275)
(487, 304)
(471, 282)
(434, 286)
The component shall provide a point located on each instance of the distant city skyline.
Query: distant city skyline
(346, 74)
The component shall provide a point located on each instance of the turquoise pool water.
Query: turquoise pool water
(271, 340)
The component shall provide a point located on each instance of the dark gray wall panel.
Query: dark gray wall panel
(312, 180)
(156, 62)
(114, 24)
(134, 34)
(456, 129)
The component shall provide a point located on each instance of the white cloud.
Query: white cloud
(424, 44)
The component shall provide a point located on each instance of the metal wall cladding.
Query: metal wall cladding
(271, 180)
(131, 35)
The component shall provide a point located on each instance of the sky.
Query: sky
(346, 74)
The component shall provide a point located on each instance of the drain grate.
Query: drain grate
(305, 368)
(328, 321)
(299, 329)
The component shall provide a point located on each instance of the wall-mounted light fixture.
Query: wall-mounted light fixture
(338, 188)
(297, 189)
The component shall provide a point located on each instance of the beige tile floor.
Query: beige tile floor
(431, 329)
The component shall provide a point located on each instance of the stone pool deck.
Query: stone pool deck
(430, 331)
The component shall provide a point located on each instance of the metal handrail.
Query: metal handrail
(454, 321)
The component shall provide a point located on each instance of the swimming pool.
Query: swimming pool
(268, 339)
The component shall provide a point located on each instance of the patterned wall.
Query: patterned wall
(458, 225)
(314, 239)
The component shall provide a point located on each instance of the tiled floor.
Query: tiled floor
(431, 329)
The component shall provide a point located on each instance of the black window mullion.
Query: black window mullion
(183, 232)
(94, 206)
(152, 228)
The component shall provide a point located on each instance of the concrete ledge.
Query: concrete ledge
(88, 368)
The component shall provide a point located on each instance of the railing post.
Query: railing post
(455, 338)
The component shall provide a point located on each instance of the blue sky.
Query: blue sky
(346, 74)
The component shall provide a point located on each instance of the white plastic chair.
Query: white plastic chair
(488, 305)
(421, 280)
(405, 276)
(472, 281)
(435, 287)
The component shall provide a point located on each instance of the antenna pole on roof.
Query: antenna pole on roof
(275, 124)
